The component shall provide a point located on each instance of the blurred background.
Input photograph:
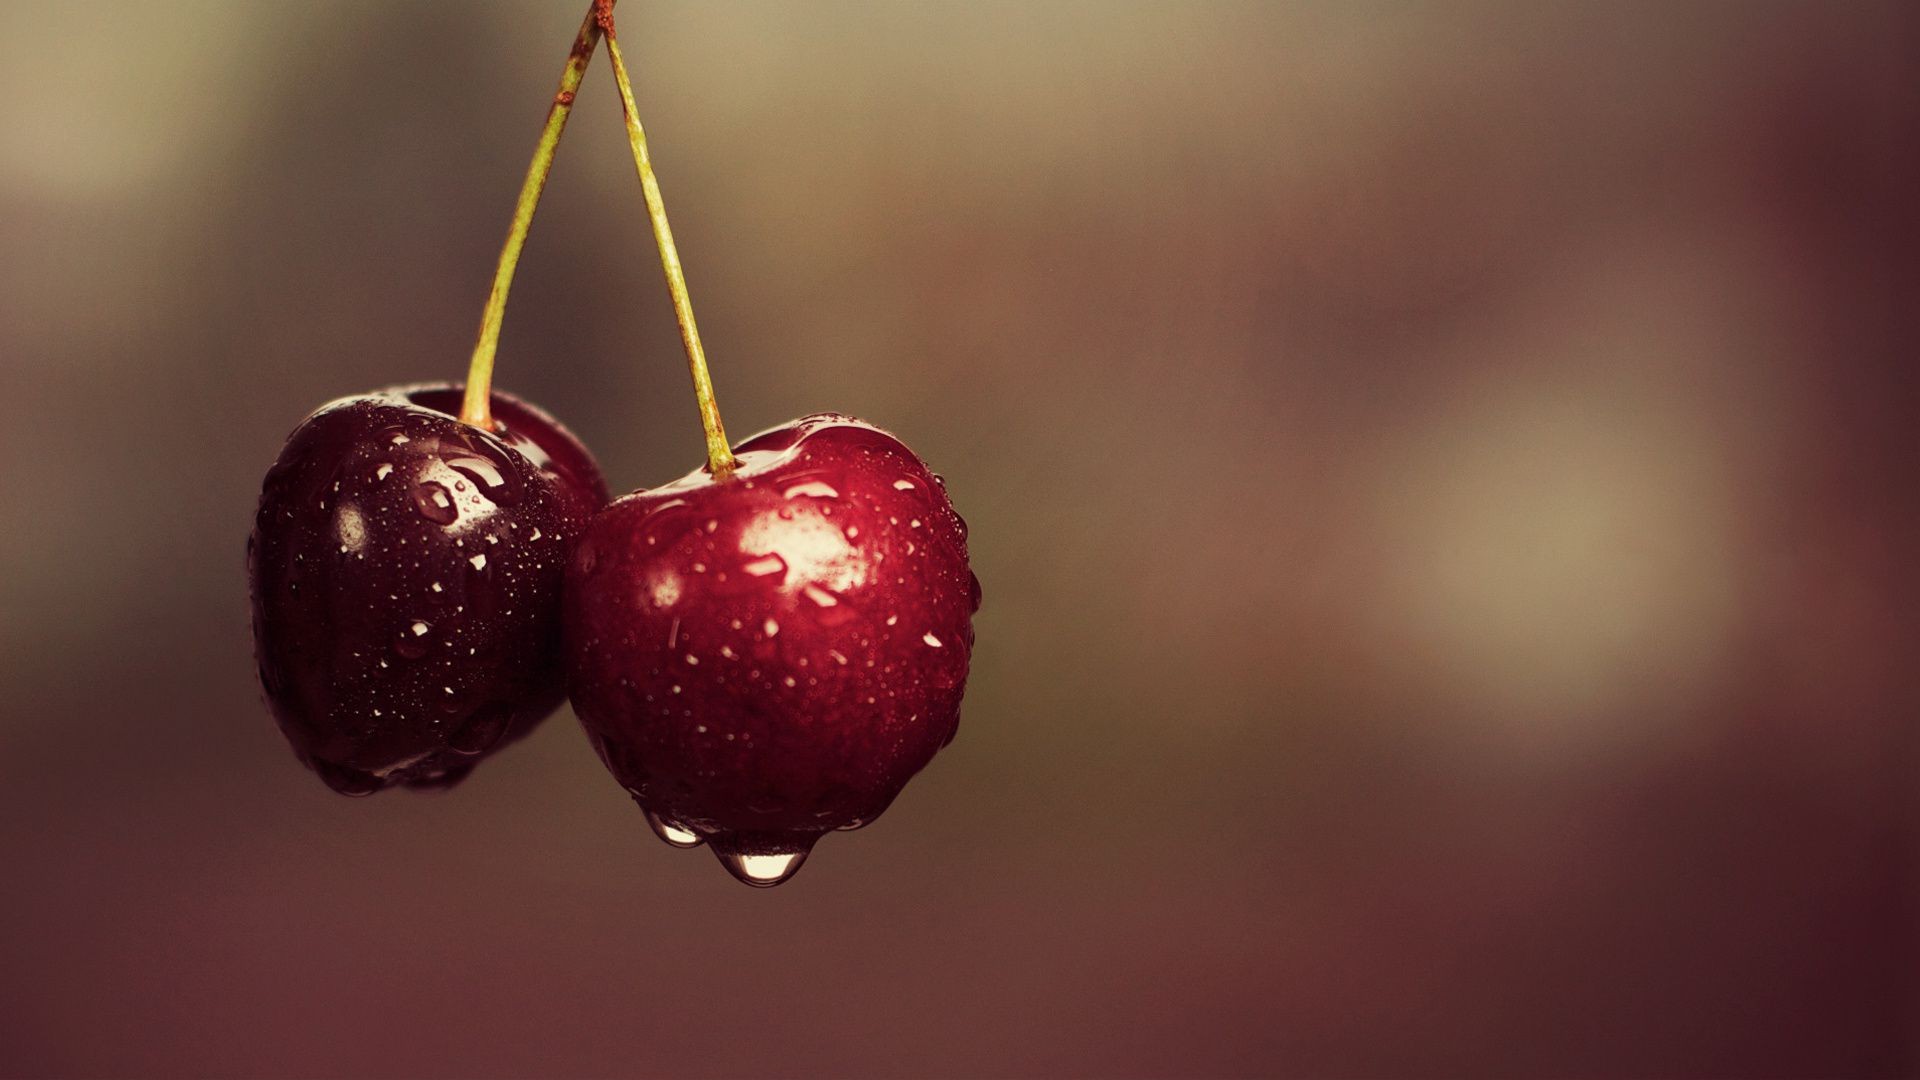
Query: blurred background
(1442, 475)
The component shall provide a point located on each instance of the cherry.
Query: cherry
(770, 647)
(405, 571)
(407, 558)
(768, 656)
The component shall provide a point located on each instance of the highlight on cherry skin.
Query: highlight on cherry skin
(405, 571)
(768, 656)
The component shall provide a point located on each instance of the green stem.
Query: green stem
(477, 407)
(720, 460)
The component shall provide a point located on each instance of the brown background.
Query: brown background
(1442, 474)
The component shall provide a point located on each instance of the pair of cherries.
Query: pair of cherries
(758, 658)
(761, 652)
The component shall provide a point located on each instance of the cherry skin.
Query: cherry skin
(405, 571)
(767, 657)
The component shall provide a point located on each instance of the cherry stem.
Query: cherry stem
(477, 407)
(720, 460)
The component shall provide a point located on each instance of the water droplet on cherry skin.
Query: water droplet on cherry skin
(671, 833)
(765, 566)
(828, 607)
(814, 489)
(490, 473)
(434, 502)
(411, 643)
(482, 731)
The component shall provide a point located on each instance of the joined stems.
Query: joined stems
(476, 408)
(720, 459)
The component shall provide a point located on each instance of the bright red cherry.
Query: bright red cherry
(770, 647)
(768, 656)
(405, 571)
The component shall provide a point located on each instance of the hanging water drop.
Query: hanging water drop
(672, 833)
(347, 780)
(762, 871)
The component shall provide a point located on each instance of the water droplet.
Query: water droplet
(479, 562)
(431, 499)
(412, 643)
(401, 440)
(821, 597)
(903, 485)
(350, 528)
(536, 533)
(437, 588)
(347, 780)
(818, 489)
(856, 823)
(381, 473)
(770, 627)
(495, 479)
(930, 639)
(482, 732)
(692, 660)
(762, 871)
(766, 566)
(673, 833)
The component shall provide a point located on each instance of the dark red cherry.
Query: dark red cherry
(770, 656)
(405, 571)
